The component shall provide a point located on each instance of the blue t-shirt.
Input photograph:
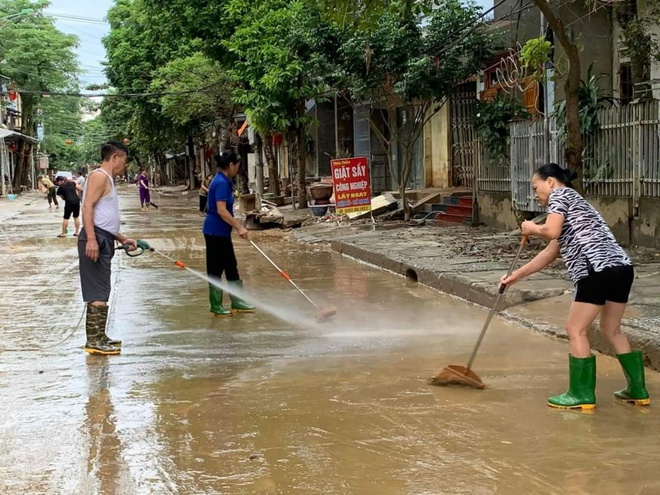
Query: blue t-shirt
(221, 189)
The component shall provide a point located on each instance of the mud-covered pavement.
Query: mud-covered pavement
(257, 404)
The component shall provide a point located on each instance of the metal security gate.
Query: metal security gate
(464, 149)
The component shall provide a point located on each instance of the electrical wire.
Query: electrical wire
(113, 95)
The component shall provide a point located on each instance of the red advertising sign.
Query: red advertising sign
(350, 179)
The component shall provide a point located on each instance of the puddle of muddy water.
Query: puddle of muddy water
(257, 405)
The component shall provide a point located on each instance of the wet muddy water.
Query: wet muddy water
(259, 404)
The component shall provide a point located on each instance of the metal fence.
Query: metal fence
(493, 174)
(622, 159)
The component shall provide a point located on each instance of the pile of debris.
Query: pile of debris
(259, 213)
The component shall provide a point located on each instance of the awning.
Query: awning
(6, 133)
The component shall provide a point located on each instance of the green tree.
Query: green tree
(148, 52)
(277, 68)
(135, 49)
(567, 40)
(407, 67)
(38, 58)
(61, 120)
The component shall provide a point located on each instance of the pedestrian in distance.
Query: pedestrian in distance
(203, 193)
(603, 276)
(96, 245)
(143, 187)
(218, 226)
(51, 191)
(80, 180)
(69, 191)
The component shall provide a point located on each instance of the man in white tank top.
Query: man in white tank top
(96, 245)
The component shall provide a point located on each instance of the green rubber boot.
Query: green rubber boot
(581, 392)
(633, 368)
(215, 297)
(97, 341)
(237, 304)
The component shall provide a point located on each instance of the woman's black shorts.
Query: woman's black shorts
(611, 284)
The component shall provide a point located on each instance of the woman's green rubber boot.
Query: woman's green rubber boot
(633, 368)
(238, 305)
(215, 297)
(581, 392)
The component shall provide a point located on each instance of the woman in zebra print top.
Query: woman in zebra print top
(603, 276)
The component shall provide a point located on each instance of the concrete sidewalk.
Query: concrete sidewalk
(468, 262)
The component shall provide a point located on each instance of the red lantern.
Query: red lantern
(12, 95)
(277, 139)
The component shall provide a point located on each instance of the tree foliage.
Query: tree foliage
(277, 69)
(414, 64)
(36, 57)
(188, 94)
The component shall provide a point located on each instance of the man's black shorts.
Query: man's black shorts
(611, 284)
(71, 208)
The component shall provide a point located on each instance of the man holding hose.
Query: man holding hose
(218, 225)
(96, 245)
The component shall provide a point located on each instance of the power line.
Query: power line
(112, 95)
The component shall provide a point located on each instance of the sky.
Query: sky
(90, 51)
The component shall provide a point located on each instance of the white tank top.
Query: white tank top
(106, 209)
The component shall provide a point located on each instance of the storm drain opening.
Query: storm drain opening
(411, 275)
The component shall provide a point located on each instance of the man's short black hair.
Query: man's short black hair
(110, 148)
(227, 158)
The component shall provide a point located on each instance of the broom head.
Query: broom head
(325, 314)
(457, 375)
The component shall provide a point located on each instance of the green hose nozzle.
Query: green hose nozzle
(144, 245)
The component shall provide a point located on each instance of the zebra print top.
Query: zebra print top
(586, 243)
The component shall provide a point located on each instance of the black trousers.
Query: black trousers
(52, 196)
(220, 257)
(202, 203)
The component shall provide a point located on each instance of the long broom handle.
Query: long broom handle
(523, 241)
(283, 273)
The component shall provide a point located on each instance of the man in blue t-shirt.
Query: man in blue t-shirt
(218, 224)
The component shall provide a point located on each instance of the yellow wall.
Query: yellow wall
(437, 149)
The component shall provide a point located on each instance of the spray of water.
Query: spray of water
(4, 233)
(281, 313)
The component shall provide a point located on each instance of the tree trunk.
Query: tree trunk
(273, 175)
(259, 162)
(161, 161)
(22, 167)
(20, 172)
(405, 177)
(244, 149)
(301, 159)
(573, 153)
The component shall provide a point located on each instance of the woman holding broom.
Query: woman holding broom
(603, 275)
(218, 226)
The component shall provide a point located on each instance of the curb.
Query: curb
(457, 284)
